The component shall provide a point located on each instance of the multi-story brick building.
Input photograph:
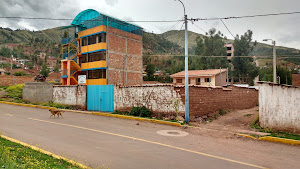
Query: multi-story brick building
(103, 49)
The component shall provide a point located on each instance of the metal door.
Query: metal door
(100, 98)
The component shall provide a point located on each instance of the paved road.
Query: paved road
(119, 143)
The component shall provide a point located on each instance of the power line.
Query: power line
(174, 26)
(199, 27)
(246, 16)
(67, 19)
(227, 29)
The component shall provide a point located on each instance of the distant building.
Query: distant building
(230, 51)
(209, 77)
(51, 62)
(42, 56)
(2, 71)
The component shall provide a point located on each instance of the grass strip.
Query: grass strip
(14, 155)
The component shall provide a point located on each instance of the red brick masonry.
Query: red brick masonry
(296, 80)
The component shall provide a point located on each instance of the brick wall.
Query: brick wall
(296, 80)
(202, 100)
(206, 100)
(12, 80)
(125, 53)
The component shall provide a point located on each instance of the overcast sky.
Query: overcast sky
(285, 30)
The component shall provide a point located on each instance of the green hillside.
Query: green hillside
(171, 42)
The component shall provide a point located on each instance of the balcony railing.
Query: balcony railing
(66, 40)
(64, 72)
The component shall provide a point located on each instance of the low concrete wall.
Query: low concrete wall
(37, 92)
(279, 107)
(70, 95)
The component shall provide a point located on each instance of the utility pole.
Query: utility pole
(11, 58)
(274, 60)
(186, 67)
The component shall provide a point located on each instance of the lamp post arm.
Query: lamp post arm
(183, 6)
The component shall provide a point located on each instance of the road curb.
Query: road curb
(271, 139)
(280, 140)
(100, 114)
(46, 152)
(246, 136)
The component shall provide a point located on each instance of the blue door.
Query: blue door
(100, 98)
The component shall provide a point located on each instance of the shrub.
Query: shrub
(140, 111)
(15, 91)
(20, 73)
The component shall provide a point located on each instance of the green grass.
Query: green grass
(13, 155)
(280, 134)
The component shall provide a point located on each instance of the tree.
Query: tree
(65, 35)
(56, 69)
(244, 68)
(210, 45)
(45, 71)
(150, 71)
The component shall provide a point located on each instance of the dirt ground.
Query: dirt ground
(236, 121)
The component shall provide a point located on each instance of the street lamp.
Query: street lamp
(274, 59)
(186, 76)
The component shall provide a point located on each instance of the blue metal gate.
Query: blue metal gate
(100, 98)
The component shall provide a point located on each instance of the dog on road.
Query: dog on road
(56, 112)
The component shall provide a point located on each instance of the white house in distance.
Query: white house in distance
(209, 77)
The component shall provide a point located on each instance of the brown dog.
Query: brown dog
(55, 112)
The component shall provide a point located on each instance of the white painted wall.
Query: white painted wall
(155, 98)
(70, 95)
(279, 107)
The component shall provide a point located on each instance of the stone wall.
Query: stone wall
(125, 57)
(70, 95)
(279, 107)
(202, 100)
(37, 92)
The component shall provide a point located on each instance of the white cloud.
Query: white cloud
(283, 29)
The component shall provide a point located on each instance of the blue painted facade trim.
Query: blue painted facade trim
(94, 68)
(101, 50)
(93, 34)
(65, 76)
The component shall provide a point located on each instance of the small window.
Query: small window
(84, 58)
(101, 37)
(84, 41)
(91, 40)
(207, 79)
(228, 48)
(228, 54)
(199, 80)
(178, 80)
(97, 56)
(97, 74)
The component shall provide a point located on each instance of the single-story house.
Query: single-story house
(209, 77)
